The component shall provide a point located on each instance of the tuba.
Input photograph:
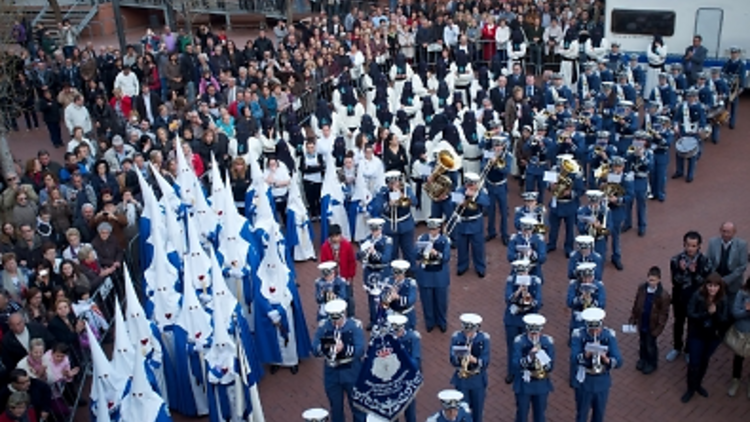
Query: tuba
(565, 179)
(446, 160)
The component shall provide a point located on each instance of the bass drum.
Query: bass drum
(687, 147)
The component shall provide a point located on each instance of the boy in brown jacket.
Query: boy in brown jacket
(649, 315)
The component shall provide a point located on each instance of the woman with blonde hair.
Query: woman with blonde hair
(18, 409)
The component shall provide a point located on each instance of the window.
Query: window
(643, 22)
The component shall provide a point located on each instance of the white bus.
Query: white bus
(721, 23)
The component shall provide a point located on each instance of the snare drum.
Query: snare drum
(687, 147)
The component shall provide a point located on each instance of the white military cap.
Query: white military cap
(530, 196)
(585, 240)
(327, 267)
(563, 157)
(335, 308)
(471, 177)
(400, 265)
(392, 175)
(470, 320)
(397, 320)
(375, 223)
(434, 223)
(585, 267)
(594, 193)
(520, 263)
(626, 103)
(593, 316)
(534, 322)
(528, 221)
(450, 399)
(561, 101)
(315, 415)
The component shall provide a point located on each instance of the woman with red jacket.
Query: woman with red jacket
(488, 39)
(341, 251)
(121, 104)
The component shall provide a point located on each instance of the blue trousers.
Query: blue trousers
(434, 305)
(525, 402)
(442, 209)
(474, 397)
(568, 216)
(55, 133)
(511, 332)
(535, 182)
(733, 106)
(618, 216)
(600, 247)
(498, 199)
(350, 302)
(335, 392)
(700, 350)
(410, 414)
(659, 175)
(715, 133)
(477, 252)
(404, 242)
(680, 166)
(641, 195)
(586, 401)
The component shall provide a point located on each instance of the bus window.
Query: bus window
(643, 22)
(708, 21)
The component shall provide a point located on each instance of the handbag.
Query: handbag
(738, 341)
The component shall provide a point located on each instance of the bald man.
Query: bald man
(15, 342)
(728, 255)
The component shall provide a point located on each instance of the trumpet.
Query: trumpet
(596, 363)
(464, 372)
(330, 295)
(526, 298)
(540, 227)
(631, 150)
(598, 149)
(334, 340)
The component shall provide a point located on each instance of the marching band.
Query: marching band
(589, 151)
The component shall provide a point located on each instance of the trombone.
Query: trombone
(469, 202)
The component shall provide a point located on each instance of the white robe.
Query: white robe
(566, 67)
(596, 53)
(652, 74)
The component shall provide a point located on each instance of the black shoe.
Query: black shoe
(443, 329)
(551, 249)
(294, 369)
(480, 274)
(509, 378)
(677, 176)
(505, 240)
(274, 369)
(648, 369)
(460, 273)
(489, 237)
(641, 233)
(429, 329)
(568, 255)
(702, 391)
(639, 366)
(617, 264)
(369, 327)
(687, 396)
(83, 402)
(689, 180)
(453, 245)
(626, 228)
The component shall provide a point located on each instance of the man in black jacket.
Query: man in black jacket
(147, 104)
(50, 109)
(261, 45)
(39, 392)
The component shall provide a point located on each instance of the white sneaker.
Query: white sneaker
(733, 387)
(672, 355)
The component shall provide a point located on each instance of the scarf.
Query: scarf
(22, 418)
(93, 266)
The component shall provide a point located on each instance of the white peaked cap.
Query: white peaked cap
(400, 264)
(375, 222)
(528, 221)
(585, 266)
(521, 263)
(315, 415)
(594, 193)
(584, 239)
(471, 177)
(470, 319)
(327, 266)
(534, 319)
(397, 319)
(335, 307)
(193, 317)
(392, 174)
(593, 315)
(565, 157)
(450, 398)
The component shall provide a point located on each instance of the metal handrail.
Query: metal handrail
(38, 17)
(72, 8)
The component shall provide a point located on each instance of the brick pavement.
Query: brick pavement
(717, 194)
